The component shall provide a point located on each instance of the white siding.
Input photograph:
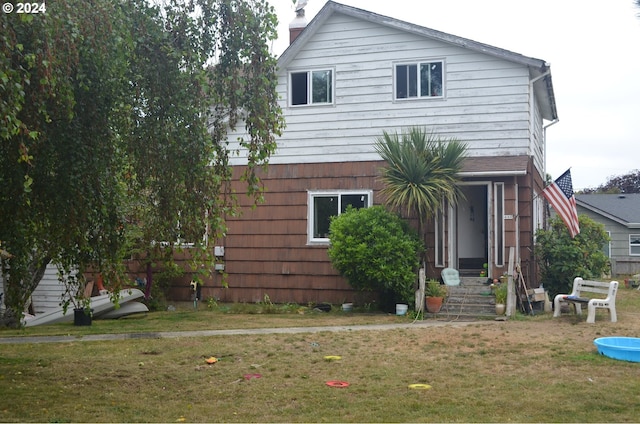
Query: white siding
(47, 295)
(486, 103)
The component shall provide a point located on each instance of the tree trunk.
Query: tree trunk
(18, 287)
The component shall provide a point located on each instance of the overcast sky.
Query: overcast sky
(593, 47)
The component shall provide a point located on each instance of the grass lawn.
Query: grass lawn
(534, 369)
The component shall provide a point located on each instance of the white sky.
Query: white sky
(593, 47)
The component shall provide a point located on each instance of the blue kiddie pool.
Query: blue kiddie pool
(621, 348)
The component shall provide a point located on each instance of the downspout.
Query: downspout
(544, 146)
(531, 121)
(517, 216)
(532, 270)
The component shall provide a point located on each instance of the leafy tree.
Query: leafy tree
(563, 258)
(114, 119)
(627, 183)
(376, 251)
(421, 173)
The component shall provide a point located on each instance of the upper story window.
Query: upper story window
(311, 87)
(419, 80)
(634, 244)
(325, 204)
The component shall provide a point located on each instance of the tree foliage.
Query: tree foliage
(422, 170)
(627, 183)
(421, 173)
(113, 138)
(562, 258)
(375, 250)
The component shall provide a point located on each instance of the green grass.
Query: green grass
(532, 369)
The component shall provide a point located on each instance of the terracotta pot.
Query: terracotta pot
(434, 304)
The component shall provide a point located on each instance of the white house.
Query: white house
(349, 75)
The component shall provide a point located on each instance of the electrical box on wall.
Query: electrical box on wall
(218, 251)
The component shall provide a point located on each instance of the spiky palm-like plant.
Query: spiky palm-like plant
(422, 172)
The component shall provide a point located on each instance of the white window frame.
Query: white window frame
(311, 195)
(440, 234)
(418, 64)
(309, 73)
(498, 207)
(633, 237)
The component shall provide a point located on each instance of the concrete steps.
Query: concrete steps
(472, 299)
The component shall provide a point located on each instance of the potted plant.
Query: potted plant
(77, 294)
(435, 294)
(500, 292)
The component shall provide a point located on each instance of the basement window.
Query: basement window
(419, 80)
(311, 87)
(325, 204)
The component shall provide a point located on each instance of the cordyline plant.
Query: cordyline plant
(422, 172)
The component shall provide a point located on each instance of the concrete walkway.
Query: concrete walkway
(236, 332)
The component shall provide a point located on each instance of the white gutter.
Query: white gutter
(492, 173)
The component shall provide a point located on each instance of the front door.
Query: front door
(472, 241)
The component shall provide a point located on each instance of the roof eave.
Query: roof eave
(602, 213)
(537, 65)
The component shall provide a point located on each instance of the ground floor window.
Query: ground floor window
(607, 247)
(325, 204)
(634, 244)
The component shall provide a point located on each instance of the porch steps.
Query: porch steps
(472, 299)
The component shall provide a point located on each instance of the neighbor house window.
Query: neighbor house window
(607, 247)
(634, 244)
(419, 80)
(311, 87)
(325, 204)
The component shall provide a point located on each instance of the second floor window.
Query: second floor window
(417, 80)
(311, 87)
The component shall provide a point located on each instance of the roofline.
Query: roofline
(331, 6)
(604, 214)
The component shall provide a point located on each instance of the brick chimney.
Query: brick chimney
(297, 25)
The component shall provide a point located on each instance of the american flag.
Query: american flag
(560, 196)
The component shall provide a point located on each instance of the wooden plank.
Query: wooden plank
(511, 296)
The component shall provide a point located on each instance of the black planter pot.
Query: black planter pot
(81, 317)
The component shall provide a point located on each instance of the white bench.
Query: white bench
(581, 286)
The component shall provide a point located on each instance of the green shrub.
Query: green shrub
(376, 251)
(562, 258)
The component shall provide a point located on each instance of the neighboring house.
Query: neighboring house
(620, 215)
(349, 75)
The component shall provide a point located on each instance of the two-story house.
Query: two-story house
(349, 75)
